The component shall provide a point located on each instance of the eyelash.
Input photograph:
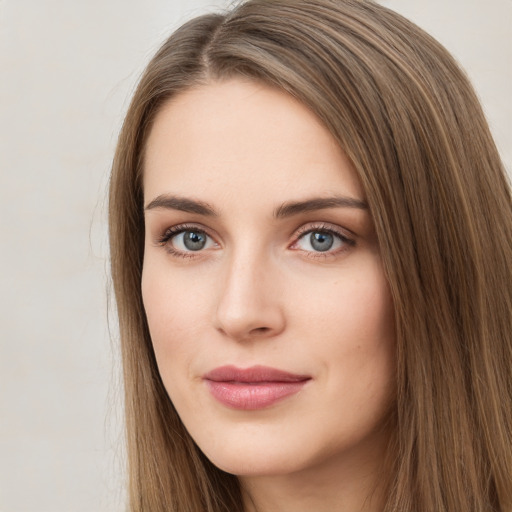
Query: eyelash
(173, 231)
(325, 229)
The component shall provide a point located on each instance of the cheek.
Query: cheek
(354, 309)
(369, 321)
(351, 328)
(372, 359)
(371, 309)
(171, 315)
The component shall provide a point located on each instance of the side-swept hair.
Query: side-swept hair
(406, 116)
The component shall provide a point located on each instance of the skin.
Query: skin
(259, 293)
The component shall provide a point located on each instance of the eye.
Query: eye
(319, 241)
(183, 241)
(322, 240)
(190, 241)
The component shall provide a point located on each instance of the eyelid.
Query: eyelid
(164, 238)
(345, 235)
(173, 230)
(323, 226)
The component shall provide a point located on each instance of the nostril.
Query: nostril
(260, 330)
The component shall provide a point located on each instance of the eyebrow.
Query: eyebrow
(318, 203)
(287, 209)
(182, 204)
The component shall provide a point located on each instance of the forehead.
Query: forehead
(247, 139)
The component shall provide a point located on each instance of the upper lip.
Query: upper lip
(253, 374)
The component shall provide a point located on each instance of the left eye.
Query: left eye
(320, 241)
(190, 240)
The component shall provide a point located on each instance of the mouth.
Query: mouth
(252, 388)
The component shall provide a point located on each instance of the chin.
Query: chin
(253, 462)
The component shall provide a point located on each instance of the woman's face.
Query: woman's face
(269, 312)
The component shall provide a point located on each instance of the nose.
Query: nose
(249, 305)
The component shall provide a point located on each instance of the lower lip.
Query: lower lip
(252, 396)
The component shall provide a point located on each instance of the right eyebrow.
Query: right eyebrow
(182, 204)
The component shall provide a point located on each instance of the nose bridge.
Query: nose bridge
(248, 305)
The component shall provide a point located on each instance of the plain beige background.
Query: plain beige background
(67, 71)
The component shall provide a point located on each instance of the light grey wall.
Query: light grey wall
(66, 73)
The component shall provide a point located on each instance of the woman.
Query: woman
(311, 239)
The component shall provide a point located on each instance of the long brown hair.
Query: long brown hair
(408, 119)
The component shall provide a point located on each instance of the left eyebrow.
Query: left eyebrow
(318, 203)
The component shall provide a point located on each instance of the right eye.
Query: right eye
(183, 241)
(191, 241)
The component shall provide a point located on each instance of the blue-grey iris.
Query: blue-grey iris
(193, 240)
(321, 241)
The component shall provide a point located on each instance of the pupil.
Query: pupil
(194, 241)
(321, 241)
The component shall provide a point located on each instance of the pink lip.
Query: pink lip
(252, 388)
